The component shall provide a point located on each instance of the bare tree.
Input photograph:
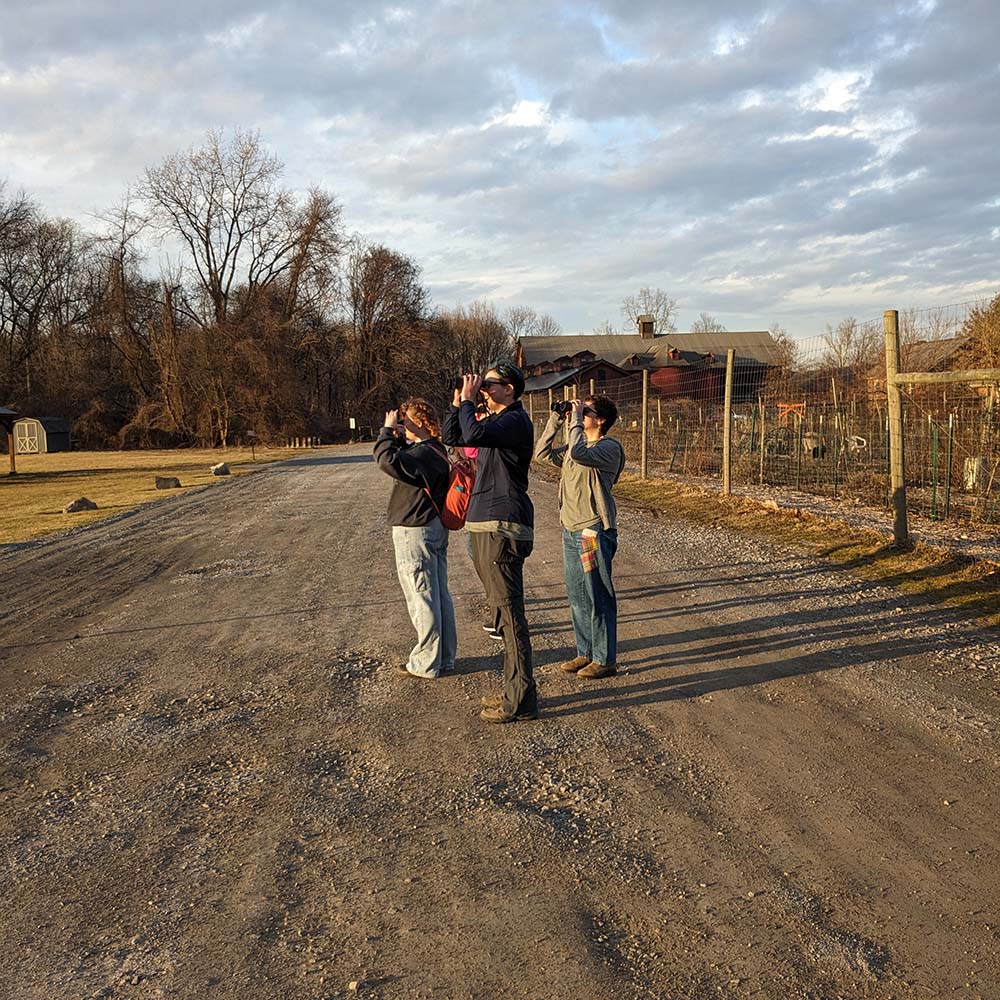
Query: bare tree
(241, 231)
(707, 323)
(520, 321)
(982, 327)
(473, 337)
(607, 328)
(852, 344)
(387, 317)
(788, 349)
(653, 302)
(545, 326)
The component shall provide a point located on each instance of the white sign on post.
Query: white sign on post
(354, 424)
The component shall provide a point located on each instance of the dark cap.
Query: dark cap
(511, 374)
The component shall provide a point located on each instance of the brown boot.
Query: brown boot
(503, 714)
(597, 670)
(491, 701)
(572, 666)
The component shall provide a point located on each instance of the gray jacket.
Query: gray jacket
(603, 461)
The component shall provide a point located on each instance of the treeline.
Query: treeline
(268, 317)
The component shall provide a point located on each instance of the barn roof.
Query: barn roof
(550, 380)
(757, 345)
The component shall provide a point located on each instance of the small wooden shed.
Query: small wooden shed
(37, 435)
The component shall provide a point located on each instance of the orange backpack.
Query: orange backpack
(461, 477)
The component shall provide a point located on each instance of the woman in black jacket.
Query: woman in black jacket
(409, 450)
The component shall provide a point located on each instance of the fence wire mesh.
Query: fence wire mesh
(820, 425)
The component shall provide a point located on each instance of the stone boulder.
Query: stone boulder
(220, 470)
(77, 505)
(167, 483)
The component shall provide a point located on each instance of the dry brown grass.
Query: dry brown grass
(31, 502)
(932, 574)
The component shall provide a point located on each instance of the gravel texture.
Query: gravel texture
(214, 786)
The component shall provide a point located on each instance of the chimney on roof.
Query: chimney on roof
(645, 322)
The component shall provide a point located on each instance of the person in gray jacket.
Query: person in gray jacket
(591, 464)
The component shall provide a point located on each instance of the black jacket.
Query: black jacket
(414, 467)
(506, 442)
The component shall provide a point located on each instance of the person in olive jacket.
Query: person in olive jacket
(409, 450)
(501, 520)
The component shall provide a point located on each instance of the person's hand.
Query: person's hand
(456, 398)
(471, 385)
(577, 410)
(392, 419)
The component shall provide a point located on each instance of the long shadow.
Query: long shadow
(695, 685)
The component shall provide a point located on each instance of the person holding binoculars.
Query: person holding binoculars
(591, 464)
(500, 519)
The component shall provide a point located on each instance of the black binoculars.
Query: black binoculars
(561, 406)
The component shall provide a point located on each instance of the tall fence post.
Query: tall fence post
(727, 426)
(760, 400)
(593, 388)
(894, 398)
(643, 462)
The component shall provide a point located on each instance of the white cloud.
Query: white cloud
(749, 157)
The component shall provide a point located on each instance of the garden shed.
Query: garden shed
(37, 435)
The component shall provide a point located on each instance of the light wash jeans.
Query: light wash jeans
(593, 605)
(422, 566)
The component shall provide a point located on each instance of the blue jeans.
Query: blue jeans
(422, 567)
(593, 606)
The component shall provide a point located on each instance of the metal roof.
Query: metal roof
(756, 345)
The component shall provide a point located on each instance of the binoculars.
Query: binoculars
(561, 406)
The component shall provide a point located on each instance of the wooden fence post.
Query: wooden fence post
(762, 414)
(727, 426)
(894, 399)
(643, 463)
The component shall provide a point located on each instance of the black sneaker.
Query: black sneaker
(494, 633)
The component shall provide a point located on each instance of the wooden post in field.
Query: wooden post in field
(643, 463)
(531, 407)
(727, 426)
(897, 481)
(550, 400)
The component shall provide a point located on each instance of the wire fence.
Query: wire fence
(820, 425)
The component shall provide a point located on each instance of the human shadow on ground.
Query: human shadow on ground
(851, 628)
(621, 693)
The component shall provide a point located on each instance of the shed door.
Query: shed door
(26, 437)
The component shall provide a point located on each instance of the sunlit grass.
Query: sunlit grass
(31, 502)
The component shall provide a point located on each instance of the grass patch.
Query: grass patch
(31, 502)
(934, 575)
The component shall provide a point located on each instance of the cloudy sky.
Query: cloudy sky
(794, 162)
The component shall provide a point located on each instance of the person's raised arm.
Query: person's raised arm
(451, 431)
(545, 451)
(392, 458)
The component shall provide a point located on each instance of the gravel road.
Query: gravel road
(213, 786)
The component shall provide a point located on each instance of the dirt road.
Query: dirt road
(212, 785)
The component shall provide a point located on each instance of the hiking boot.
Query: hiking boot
(491, 701)
(596, 669)
(572, 666)
(503, 714)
